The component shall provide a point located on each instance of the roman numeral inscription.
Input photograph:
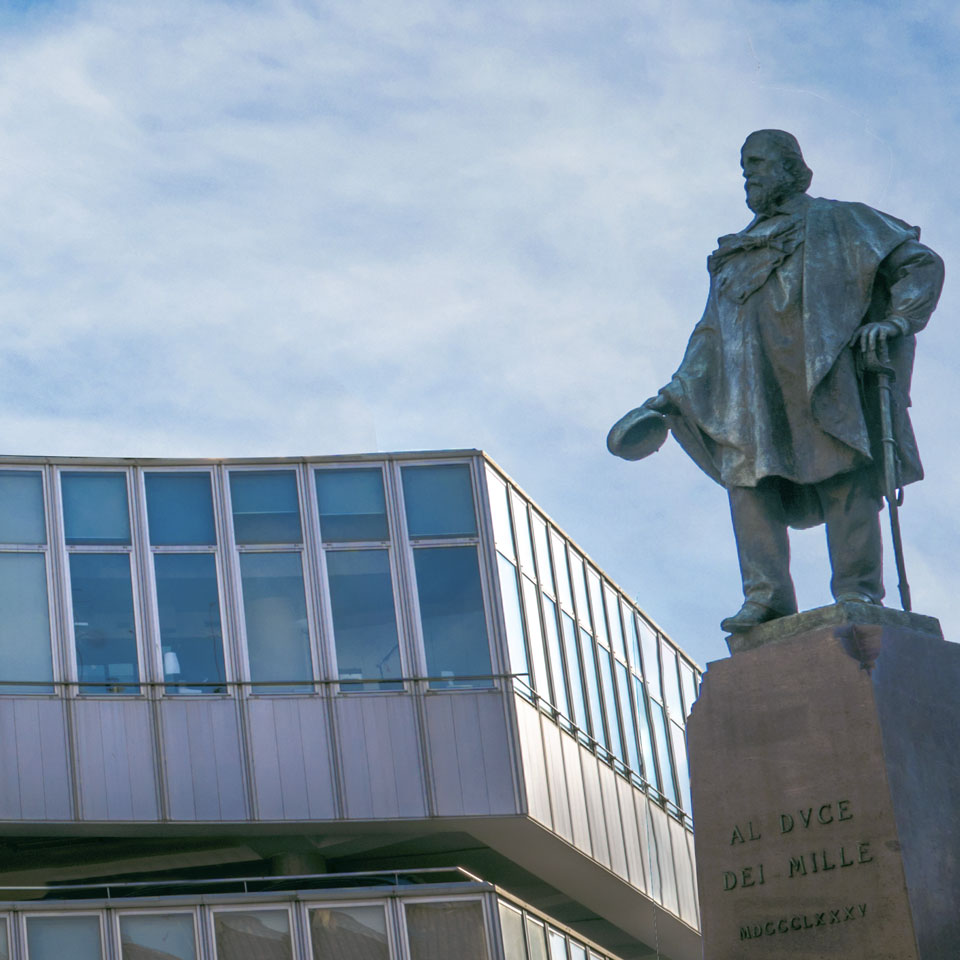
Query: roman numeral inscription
(818, 851)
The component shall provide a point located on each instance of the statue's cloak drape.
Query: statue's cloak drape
(714, 387)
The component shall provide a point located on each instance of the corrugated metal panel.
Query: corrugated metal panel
(202, 760)
(598, 826)
(611, 816)
(534, 763)
(380, 757)
(668, 874)
(290, 758)
(469, 757)
(631, 837)
(556, 779)
(686, 887)
(576, 794)
(115, 759)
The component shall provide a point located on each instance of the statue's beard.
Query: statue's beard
(764, 193)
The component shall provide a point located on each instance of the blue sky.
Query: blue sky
(284, 228)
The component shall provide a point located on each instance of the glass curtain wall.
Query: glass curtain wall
(580, 648)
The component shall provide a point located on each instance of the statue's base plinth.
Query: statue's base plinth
(825, 777)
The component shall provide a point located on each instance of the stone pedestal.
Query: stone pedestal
(825, 762)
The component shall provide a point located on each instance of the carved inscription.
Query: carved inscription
(804, 863)
(801, 922)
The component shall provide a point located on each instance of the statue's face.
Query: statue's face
(767, 180)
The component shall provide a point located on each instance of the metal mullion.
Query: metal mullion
(233, 622)
(406, 597)
(313, 570)
(490, 574)
(558, 615)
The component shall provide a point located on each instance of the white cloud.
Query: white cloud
(291, 227)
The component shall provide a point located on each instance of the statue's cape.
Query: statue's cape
(844, 245)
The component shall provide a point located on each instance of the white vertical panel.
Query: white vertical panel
(579, 821)
(611, 816)
(556, 778)
(41, 764)
(685, 869)
(631, 837)
(202, 759)
(380, 757)
(534, 763)
(10, 780)
(115, 759)
(598, 826)
(668, 873)
(469, 756)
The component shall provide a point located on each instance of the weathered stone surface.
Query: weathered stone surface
(824, 778)
(837, 614)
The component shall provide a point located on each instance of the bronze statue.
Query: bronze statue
(773, 398)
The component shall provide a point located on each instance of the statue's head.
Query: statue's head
(773, 168)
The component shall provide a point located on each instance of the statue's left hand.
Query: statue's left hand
(871, 334)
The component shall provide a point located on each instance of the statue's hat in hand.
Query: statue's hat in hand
(637, 434)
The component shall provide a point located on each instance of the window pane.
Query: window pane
(500, 514)
(103, 621)
(557, 672)
(351, 504)
(95, 508)
(511, 933)
(633, 633)
(610, 703)
(563, 573)
(180, 509)
(616, 624)
(536, 940)
(689, 684)
(364, 621)
(577, 952)
(650, 773)
(513, 620)
(157, 936)
(579, 703)
(439, 501)
(25, 623)
(596, 601)
(558, 945)
(651, 667)
(21, 507)
(593, 687)
(189, 608)
(663, 751)
(451, 614)
(265, 506)
(249, 934)
(579, 588)
(275, 614)
(630, 728)
(522, 527)
(535, 636)
(679, 742)
(442, 931)
(544, 570)
(54, 938)
(671, 685)
(357, 933)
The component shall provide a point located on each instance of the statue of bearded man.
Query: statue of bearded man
(768, 399)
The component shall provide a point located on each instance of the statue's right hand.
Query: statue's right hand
(661, 403)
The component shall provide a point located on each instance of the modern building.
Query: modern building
(358, 708)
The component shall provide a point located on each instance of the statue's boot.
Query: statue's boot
(751, 614)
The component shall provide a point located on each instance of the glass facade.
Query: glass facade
(584, 652)
(474, 925)
(336, 576)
